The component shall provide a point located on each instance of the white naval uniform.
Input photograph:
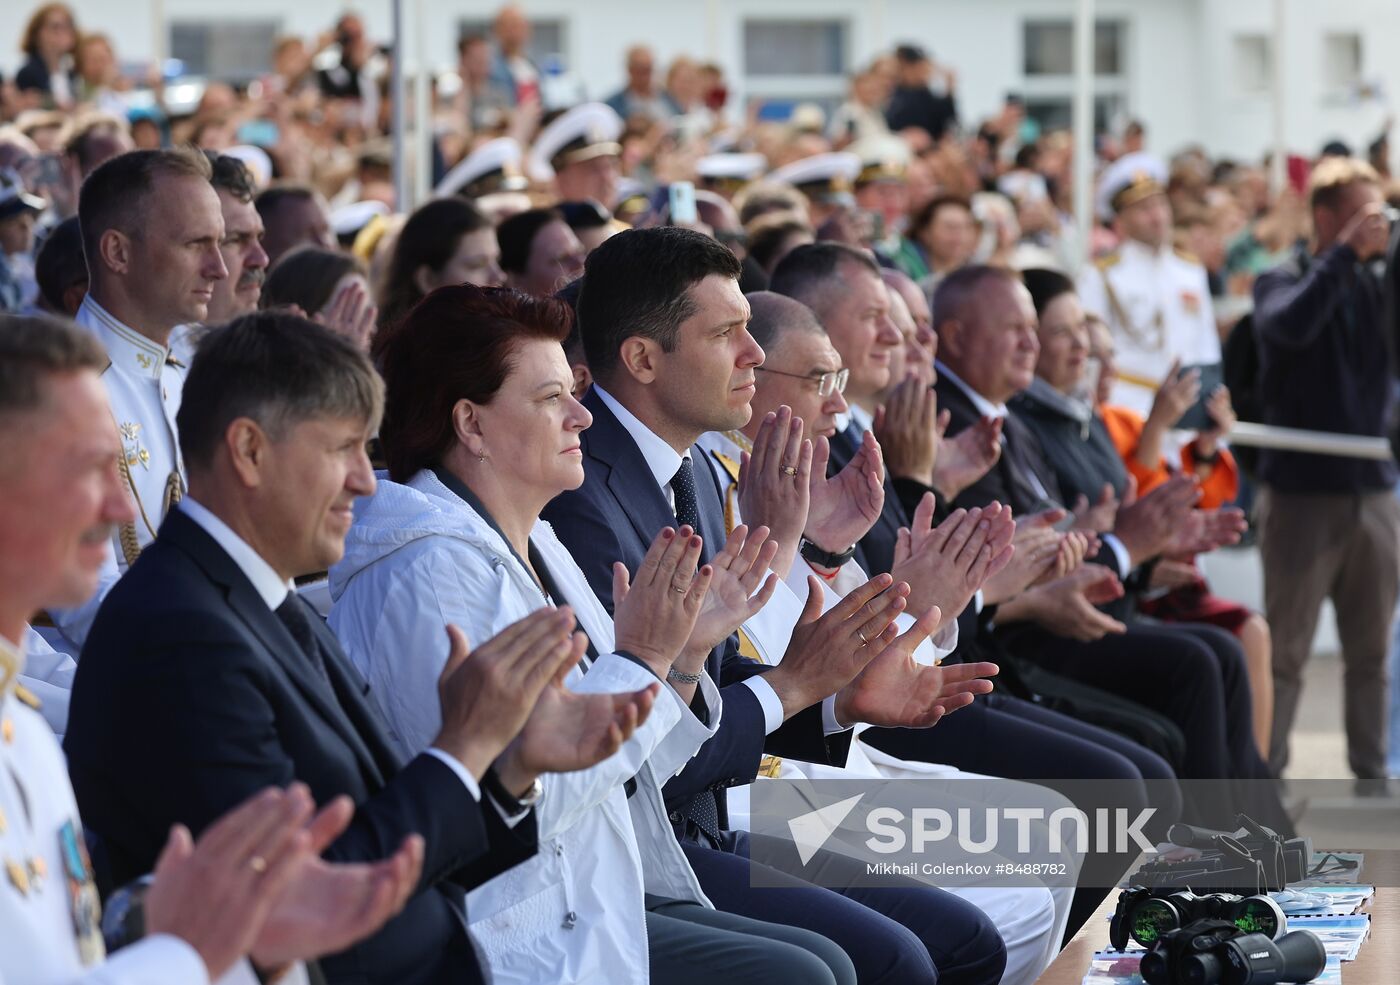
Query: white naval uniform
(39, 939)
(1031, 920)
(144, 383)
(1157, 304)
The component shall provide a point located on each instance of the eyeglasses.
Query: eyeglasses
(827, 383)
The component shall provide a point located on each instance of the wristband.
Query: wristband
(677, 677)
(812, 553)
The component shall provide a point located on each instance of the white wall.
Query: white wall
(1180, 79)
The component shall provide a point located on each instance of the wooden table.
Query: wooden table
(1377, 964)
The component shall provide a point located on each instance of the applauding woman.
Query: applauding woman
(480, 432)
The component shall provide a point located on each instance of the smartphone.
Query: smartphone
(260, 133)
(682, 196)
(1198, 417)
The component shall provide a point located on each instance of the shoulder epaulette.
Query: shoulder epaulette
(1108, 260)
(28, 697)
(1187, 255)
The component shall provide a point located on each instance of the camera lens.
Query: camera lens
(1152, 919)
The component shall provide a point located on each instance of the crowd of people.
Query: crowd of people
(417, 594)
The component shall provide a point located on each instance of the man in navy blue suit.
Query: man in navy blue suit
(206, 678)
(663, 324)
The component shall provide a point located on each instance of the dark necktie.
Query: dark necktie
(683, 488)
(703, 810)
(292, 612)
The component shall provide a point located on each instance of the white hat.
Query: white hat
(350, 219)
(730, 168)
(1130, 179)
(821, 176)
(586, 131)
(882, 158)
(256, 160)
(492, 167)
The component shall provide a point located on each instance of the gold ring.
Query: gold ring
(789, 470)
(863, 640)
(678, 590)
(258, 864)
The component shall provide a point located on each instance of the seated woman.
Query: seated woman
(1063, 406)
(480, 433)
(1141, 444)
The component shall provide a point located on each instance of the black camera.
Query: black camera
(1252, 859)
(1146, 915)
(1214, 952)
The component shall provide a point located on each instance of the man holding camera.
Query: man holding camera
(1330, 526)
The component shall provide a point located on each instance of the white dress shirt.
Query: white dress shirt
(664, 461)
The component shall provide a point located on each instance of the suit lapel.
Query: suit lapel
(262, 622)
(629, 479)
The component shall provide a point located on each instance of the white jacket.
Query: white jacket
(418, 557)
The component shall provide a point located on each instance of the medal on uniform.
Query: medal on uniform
(7, 730)
(82, 894)
(19, 876)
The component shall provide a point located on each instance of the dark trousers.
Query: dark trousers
(1018, 740)
(689, 944)
(910, 935)
(1195, 675)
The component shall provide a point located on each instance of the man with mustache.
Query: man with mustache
(152, 229)
(241, 247)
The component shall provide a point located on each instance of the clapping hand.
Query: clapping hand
(1205, 530)
(966, 457)
(1146, 526)
(946, 565)
(827, 650)
(328, 906)
(775, 483)
(1037, 551)
(738, 591)
(1101, 515)
(844, 507)
(655, 614)
(907, 426)
(1066, 606)
(895, 690)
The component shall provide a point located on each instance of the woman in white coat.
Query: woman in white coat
(481, 431)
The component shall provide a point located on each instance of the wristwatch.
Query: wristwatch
(513, 806)
(824, 559)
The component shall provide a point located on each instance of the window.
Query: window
(1254, 63)
(1047, 65)
(547, 37)
(1341, 63)
(786, 62)
(1049, 47)
(231, 50)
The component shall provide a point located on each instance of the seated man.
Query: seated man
(986, 327)
(233, 684)
(663, 326)
(249, 885)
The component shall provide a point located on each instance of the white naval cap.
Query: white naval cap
(882, 158)
(256, 160)
(350, 219)
(731, 167)
(1130, 179)
(492, 167)
(586, 131)
(15, 198)
(821, 176)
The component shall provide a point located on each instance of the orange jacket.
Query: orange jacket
(1125, 428)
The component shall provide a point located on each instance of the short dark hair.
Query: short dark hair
(457, 343)
(929, 211)
(35, 347)
(769, 233)
(517, 235)
(810, 271)
(428, 239)
(1045, 286)
(277, 369)
(115, 195)
(230, 174)
(78, 142)
(270, 199)
(60, 263)
(772, 315)
(638, 283)
(960, 288)
(306, 277)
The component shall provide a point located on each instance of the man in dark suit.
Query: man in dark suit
(663, 326)
(1194, 675)
(206, 677)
